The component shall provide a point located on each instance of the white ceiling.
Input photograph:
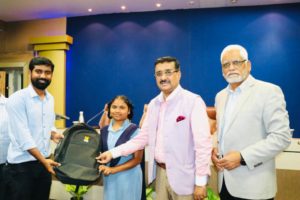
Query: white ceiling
(17, 10)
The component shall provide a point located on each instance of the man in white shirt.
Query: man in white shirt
(31, 126)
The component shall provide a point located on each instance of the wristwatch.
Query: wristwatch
(242, 160)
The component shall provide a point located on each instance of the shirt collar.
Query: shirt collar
(34, 94)
(124, 125)
(171, 96)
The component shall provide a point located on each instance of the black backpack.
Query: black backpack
(76, 153)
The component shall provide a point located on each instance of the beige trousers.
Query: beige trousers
(163, 188)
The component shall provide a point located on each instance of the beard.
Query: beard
(235, 78)
(40, 83)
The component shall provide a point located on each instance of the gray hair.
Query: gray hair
(243, 51)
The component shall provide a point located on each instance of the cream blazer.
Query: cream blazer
(259, 129)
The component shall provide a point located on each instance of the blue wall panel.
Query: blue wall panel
(114, 54)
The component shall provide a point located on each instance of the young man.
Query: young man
(253, 127)
(176, 128)
(31, 126)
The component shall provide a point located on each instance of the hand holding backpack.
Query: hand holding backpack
(76, 153)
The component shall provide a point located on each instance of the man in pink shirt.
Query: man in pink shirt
(176, 129)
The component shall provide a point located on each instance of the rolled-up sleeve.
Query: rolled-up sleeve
(19, 131)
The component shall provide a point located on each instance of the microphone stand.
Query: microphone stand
(91, 119)
(58, 117)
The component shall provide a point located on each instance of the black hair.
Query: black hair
(40, 61)
(126, 101)
(168, 59)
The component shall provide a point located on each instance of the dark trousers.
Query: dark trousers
(28, 181)
(225, 195)
(143, 197)
(2, 183)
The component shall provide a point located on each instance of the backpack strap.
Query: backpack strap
(126, 135)
(103, 139)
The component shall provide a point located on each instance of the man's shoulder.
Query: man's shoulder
(19, 94)
(3, 98)
(221, 92)
(266, 88)
(265, 84)
(189, 94)
(155, 99)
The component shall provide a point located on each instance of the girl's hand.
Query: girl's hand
(106, 170)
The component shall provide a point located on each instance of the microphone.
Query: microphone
(58, 117)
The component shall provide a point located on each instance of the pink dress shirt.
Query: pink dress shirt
(159, 154)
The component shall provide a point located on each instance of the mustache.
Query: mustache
(164, 81)
(231, 73)
(42, 79)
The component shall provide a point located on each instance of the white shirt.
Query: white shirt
(4, 138)
(30, 124)
(233, 96)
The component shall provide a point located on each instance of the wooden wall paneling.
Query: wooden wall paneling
(2, 82)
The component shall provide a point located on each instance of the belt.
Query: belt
(161, 165)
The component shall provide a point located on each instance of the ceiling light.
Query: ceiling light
(158, 5)
(191, 2)
(123, 7)
(90, 10)
(234, 1)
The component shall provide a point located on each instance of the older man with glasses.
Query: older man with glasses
(253, 127)
(176, 128)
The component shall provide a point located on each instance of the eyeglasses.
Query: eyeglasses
(167, 73)
(235, 63)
